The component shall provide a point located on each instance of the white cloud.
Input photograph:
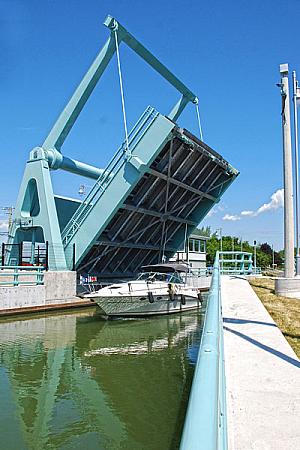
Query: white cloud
(215, 210)
(276, 202)
(3, 225)
(233, 218)
(211, 213)
(247, 213)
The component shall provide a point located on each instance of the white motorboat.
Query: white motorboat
(159, 289)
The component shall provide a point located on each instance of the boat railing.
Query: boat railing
(205, 426)
(199, 272)
(148, 288)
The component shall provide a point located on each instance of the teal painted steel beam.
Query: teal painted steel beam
(80, 168)
(162, 215)
(57, 161)
(179, 107)
(66, 120)
(183, 185)
(131, 245)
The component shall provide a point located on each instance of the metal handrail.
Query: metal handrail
(16, 271)
(205, 426)
(134, 136)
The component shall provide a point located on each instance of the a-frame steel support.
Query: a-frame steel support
(36, 216)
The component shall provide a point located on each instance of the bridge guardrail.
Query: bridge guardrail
(14, 273)
(205, 425)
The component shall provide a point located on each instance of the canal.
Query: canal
(72, 380)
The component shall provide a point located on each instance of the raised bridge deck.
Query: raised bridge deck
(151, 202)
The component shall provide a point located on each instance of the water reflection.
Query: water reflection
(75, 381)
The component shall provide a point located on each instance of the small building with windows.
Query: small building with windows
(195, 253)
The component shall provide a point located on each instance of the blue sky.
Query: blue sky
(228, 53)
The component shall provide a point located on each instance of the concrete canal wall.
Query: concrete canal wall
(59, 289)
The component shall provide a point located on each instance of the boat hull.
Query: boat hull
(133, 306)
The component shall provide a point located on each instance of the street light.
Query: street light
(289, 269)
(296, 96)
(254, 243)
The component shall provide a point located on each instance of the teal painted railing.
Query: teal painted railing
(14, 275)
(205, 425)
(236, 262)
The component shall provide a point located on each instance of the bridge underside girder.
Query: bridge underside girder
(179, 188)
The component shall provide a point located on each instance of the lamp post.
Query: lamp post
(287, 175)
(295, 96)
(254, 243)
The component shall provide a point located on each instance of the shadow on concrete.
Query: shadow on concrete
(243, 321)
(239, 277)
(280, 355)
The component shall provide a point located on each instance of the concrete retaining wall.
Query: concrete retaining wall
(58, 288)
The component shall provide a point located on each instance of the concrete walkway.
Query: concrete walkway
(262, 374)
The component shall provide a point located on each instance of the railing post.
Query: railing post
(16, 277)
(47, 256)
(3, 254)
(74, 258)
(40, 276)
(20, 253)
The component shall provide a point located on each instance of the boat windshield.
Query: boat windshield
(174, 277)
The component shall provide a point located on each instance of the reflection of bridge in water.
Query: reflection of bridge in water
(63, 386)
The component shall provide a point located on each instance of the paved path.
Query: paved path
(262, 374)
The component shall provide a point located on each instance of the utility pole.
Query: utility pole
(295, 96)
(287, 175)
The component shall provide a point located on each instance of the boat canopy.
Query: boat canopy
(165, 268)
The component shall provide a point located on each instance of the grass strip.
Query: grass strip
(284, 311)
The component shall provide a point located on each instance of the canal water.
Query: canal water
(75, 381)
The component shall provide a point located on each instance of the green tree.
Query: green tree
(203, 231)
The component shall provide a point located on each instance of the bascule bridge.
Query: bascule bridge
(156, 189)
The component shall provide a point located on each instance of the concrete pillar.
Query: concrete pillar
(289, 270)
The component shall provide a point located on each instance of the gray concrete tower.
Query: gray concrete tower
(289, 269)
